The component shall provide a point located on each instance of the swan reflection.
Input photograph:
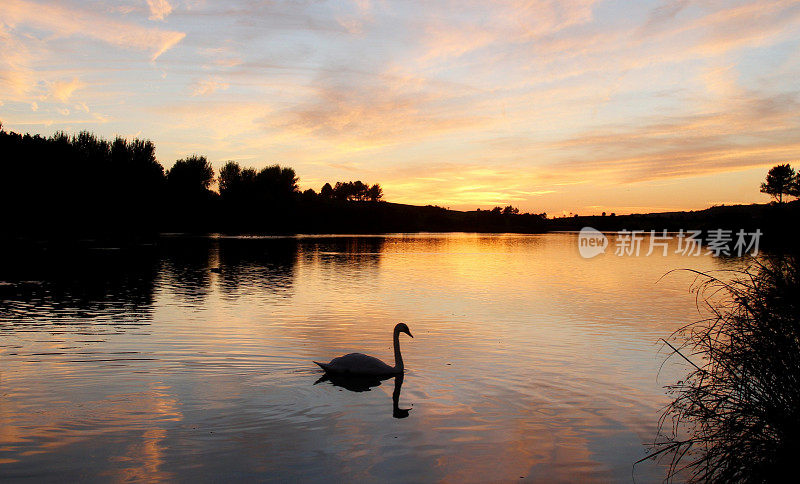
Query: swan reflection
(363, 383)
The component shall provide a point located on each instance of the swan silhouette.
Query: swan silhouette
(361, 364)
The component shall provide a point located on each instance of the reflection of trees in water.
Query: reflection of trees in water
(434, 243)
(238, 265)
(78, 286)
(187, 261)
(257, 265)
(508, 243)
(350, 255)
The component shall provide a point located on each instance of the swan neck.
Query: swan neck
(398, 358)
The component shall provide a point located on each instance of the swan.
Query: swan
(361, 364)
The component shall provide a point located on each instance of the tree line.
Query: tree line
(84, 184)
(80, 182)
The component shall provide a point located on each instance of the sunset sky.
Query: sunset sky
(558, 106)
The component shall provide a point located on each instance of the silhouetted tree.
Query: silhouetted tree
(134, 181)
(359, 191)
(230, 179)
(190, 175)
(277, 184)
(326, 192)
(191, 204)
(249, 176)
(355, 191)
(80, 183)
(135, 163)
(375, 193)
(309, 195)
(341, 191)
(781, 180)
(246, 194)
(509, 210)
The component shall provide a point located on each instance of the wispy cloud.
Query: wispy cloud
(63, 90)
(63, 22)
(388, 109)
(204, 87)
(159, 9)
(16, 75)
(743, 132)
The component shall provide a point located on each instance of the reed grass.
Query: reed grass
(736, 416)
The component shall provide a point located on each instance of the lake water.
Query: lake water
(527, 360)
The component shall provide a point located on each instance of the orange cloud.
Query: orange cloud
(159, 9)
(393, 109)
(208, 86)
(62, 90)
(65, 22)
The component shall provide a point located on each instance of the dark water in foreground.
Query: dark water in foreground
(528, 361)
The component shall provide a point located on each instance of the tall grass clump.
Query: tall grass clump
(736, 416)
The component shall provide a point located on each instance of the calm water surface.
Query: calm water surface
(528, 361)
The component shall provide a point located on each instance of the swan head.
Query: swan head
(402, 328)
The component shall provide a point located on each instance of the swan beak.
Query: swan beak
(409, 333)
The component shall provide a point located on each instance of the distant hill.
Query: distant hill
(778, 222)
(385, 217)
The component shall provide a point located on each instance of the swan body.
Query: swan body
(361, 364)
(357, 363)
